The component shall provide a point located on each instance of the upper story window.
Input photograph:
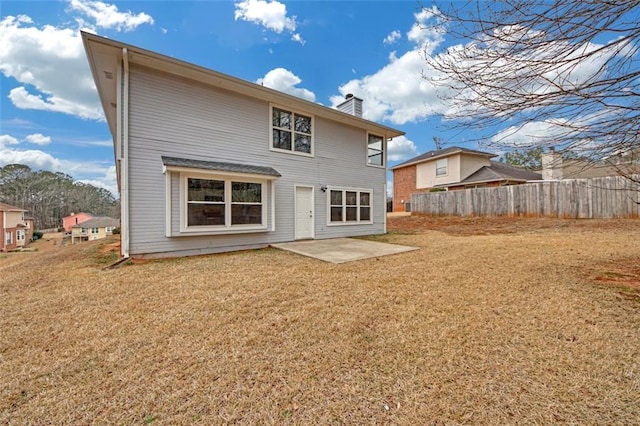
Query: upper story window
(94, 230)
(291, 131)
(375, 150)
(442, 167)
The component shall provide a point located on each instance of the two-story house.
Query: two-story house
(450, 169)
(14, 230)
(207, 162)
(74, 219)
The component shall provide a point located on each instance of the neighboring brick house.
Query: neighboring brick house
(13, 228)
(74, 219)
(93, 229)
(451, 169)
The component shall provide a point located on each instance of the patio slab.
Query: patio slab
(342, 250)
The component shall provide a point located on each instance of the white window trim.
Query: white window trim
(358, 190)
(8, 237)
(20, 235)
(384, 151)
(292, 150)
(227, 228)
(446, 173)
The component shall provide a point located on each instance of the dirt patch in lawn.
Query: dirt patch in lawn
(499, 328)
(470, 225)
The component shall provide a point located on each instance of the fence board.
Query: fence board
(605, 197)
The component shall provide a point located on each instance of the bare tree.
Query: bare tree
(49, 196)
(561, 73)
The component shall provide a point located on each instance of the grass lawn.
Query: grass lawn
(510, 321)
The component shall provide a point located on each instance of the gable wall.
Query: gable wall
(175, 117)
(469, 164)
(426, 173)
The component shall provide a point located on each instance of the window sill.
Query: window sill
(286, 151)
(220, 231)
(376, 166)
(348, 223)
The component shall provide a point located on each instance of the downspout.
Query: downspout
(384, 219)
(4, 230)
(124, 165)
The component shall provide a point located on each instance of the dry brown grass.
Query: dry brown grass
(500, 328)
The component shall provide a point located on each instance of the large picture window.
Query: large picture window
(223, 203)
(291, 131)
(375, 150)
(349, 206)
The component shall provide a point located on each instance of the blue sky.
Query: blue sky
(320, 50)
(50, 114)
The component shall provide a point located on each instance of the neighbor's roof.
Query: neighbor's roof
(98, 222)
(219, 166)
(500, 172)
(9, 208)
(105, 56)
(433, 155)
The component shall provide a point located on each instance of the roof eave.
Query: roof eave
(136, 55)
(436, 157)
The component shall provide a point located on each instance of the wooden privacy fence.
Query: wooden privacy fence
(605, 197)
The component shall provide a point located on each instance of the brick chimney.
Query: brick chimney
(351, 105)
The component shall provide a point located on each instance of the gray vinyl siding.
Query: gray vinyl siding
(175, 117)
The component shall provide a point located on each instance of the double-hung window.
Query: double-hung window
(224, 203)
(375, 150)
(94, 230)
(349, 206)
(441, 167)
(8, 237)
(291, 131)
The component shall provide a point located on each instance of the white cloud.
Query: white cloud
(427, 32)
(38, 139)
(51, 61)
(297, 38)
(398, 93)
(269, 14)
(36, 159)
(108, 16)
(401, 92)
(108, 182)
(400, 148)
(22, 99)
(392, 37)
(530, 134)
(286, 81)
(8, 140)
(96, 173)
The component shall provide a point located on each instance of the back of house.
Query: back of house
(208, 163)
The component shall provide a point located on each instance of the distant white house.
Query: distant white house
(208, 163)
(93, 229)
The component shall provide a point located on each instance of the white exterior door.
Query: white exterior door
(304, 213)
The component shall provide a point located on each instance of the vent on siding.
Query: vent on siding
(352, 105)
